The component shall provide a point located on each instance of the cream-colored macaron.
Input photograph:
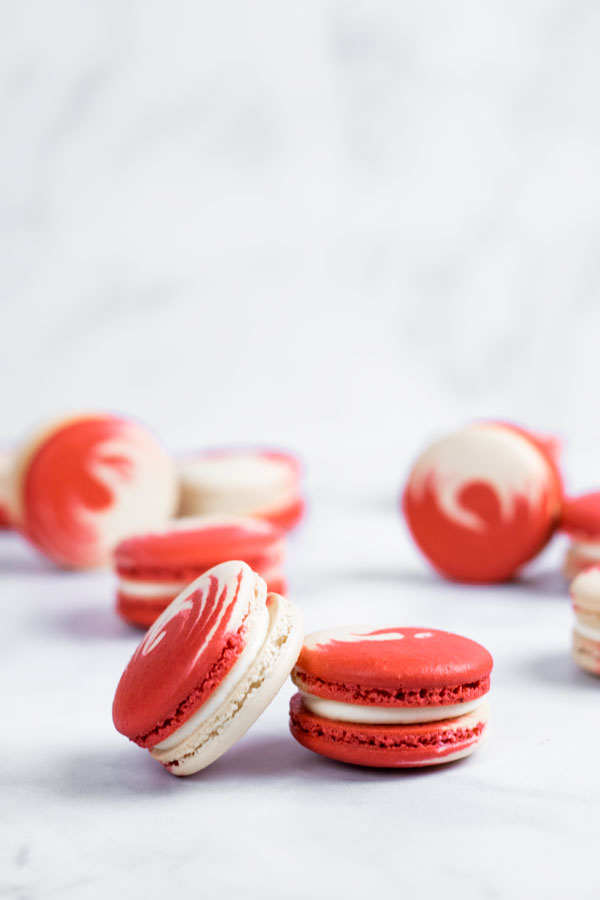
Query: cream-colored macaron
(585, 595)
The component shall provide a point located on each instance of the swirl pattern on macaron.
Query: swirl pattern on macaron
(86, 483)
(483, 501)
(205, 628)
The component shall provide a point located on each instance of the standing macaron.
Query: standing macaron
(261, 483)
(153, 568)
(82, 484)
(484, 500)
(397, 697)
(207, 668)
(585, 596)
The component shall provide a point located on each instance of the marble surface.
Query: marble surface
(86, 813)
(341, 227)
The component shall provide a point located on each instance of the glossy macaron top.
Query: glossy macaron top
(482, 501)
(82, 484)
(187, 652)
(580, 516)
(392, 666)
(190, 542)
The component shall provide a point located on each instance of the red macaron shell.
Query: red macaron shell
(411, 667)
(139, 611)
(472, 527)
(185, 655)
(188, 550)
(394, 746)
(580, 516)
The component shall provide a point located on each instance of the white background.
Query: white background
(339, 227)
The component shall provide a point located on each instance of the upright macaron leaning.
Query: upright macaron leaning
(154, 568)
(484, 500)
(585, 597)
(82, 484)
(396, 697)
(262, 483)
(207, 668)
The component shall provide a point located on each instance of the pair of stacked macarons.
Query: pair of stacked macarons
(81, 485)
(213, 660)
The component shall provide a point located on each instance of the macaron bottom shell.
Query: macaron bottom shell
(388, 746)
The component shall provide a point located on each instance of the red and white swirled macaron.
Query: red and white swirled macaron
(154, 568)
(84, 483)
(261, 483)
(484, 500)
(397, 697)
(207, 668)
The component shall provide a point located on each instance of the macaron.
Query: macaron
(207, 668)
(580, 520)
(154, 568)
(83, 484)
(260, 483)
(396, 697)
(483, 501)
(585, 596)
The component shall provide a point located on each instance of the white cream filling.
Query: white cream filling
(150, 589)
(246, 658)
(587, 631)
(386, 715)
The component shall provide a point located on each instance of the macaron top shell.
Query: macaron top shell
(84, 483)
(482, 501)
(191, 541)
(390, 666)
(187, 652)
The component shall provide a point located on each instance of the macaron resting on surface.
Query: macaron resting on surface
(153, 568)
(207, 668)
(585, 596)
(258, 483)
(83, 484)
(483, 501)
(396, 697)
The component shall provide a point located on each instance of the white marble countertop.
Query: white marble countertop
(86, 813)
